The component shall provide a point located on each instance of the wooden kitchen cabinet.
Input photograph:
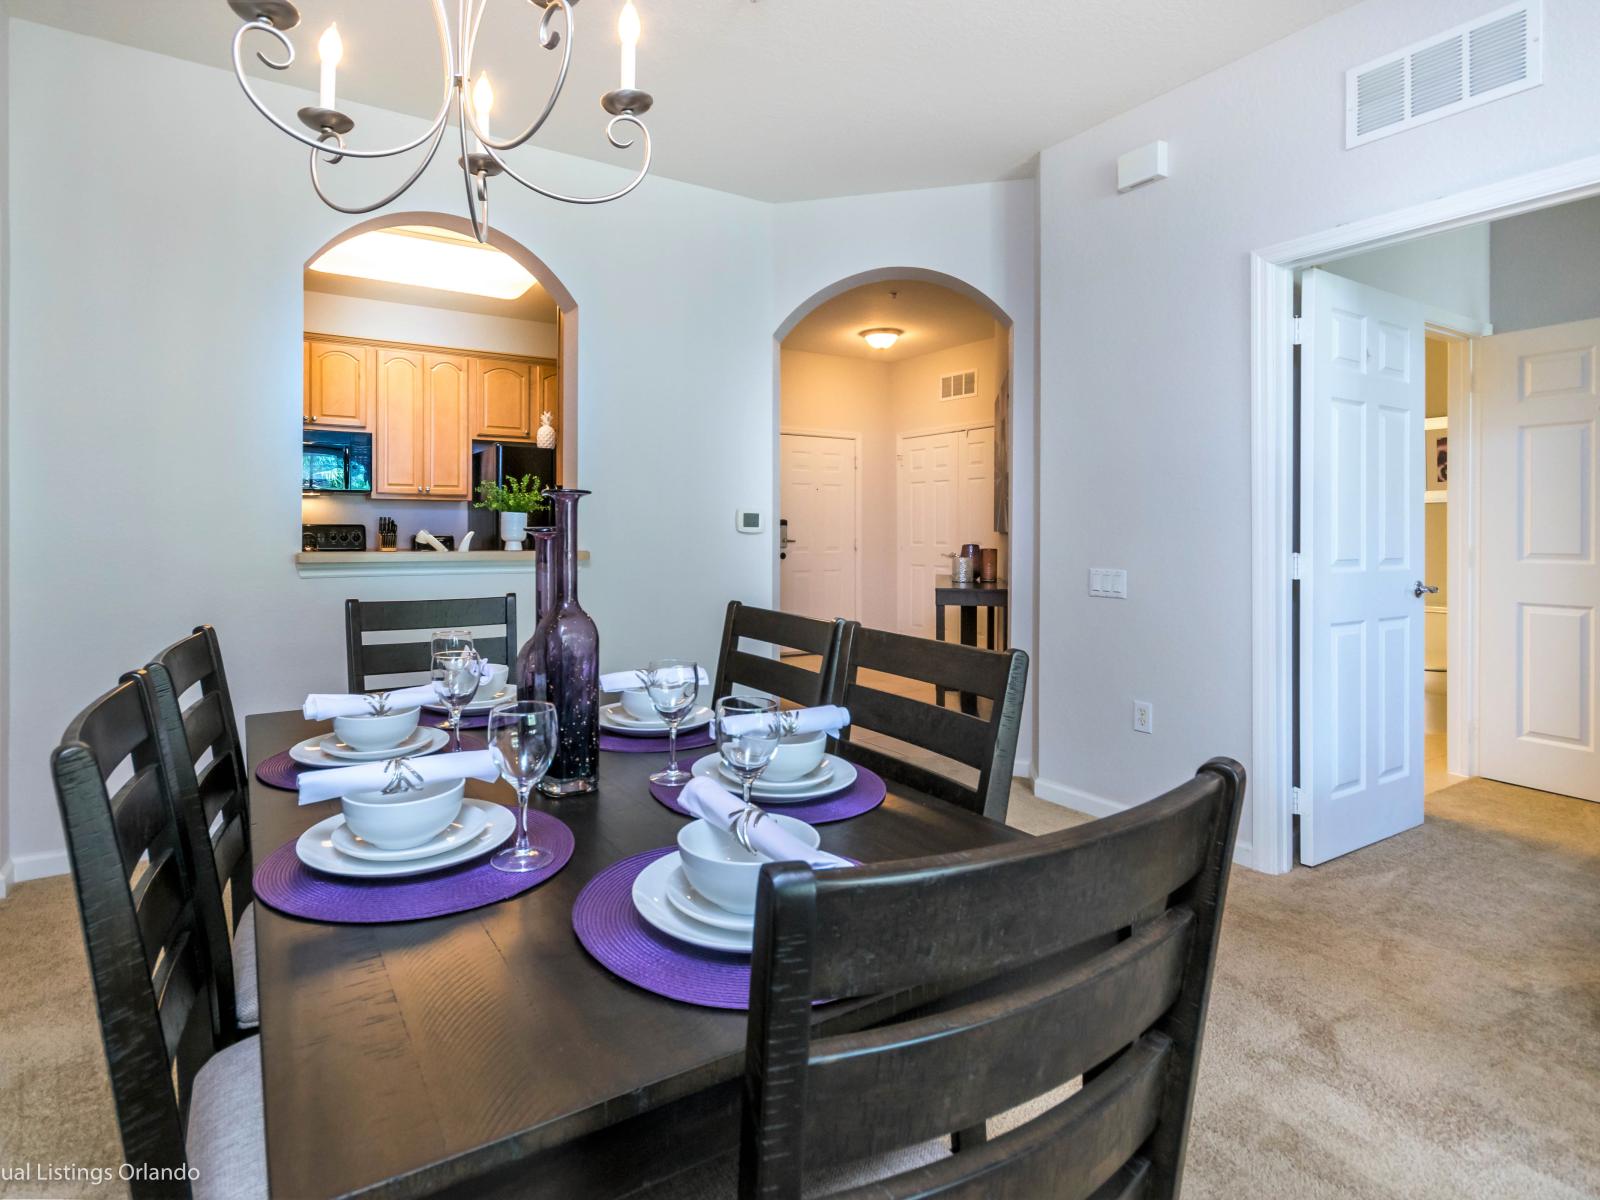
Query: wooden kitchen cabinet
(547, 395)
(399, 460)
(449, 440)
(502, 399)
(339, 381)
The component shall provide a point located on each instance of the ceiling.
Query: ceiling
(933, 318)
(774, 99)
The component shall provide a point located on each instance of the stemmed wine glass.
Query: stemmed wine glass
(522, 738)
(673, 686)
(456, 673)
(748, 753)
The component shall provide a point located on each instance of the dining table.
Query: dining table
(486, 1053)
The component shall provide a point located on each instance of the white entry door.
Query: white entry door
(818, 572)
(1362, 408)
(927, 504)
(1537, 393)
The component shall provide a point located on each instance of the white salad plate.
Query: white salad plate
(474, 708)
(616, 719)
(317, 751)
(650, 891)
(317, 851)
(469, 823)
(682, 896)
(833, 775)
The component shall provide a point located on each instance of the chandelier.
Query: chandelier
(470, 98)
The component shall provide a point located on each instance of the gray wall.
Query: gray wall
(1545, 267)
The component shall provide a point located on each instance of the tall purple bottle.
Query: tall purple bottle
(531, 674)
(569, 645)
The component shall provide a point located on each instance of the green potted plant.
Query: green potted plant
(514, 500)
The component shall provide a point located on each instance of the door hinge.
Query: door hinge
(1294, 565)
(1294, 801)
(1299, 331)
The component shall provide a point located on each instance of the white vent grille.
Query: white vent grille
(1472, 64)
(958, 385)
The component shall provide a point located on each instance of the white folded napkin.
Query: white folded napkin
(714, 803)
(324, 706)
(824, 718)
(630, 681)
(319, 785)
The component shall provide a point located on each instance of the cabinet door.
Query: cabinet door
(502, 399)
(400, 466)
(547, 398)
(337, 385)
(449, 440)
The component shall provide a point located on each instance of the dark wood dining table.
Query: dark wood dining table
(486, 1053)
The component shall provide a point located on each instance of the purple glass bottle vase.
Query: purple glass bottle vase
(570, 644)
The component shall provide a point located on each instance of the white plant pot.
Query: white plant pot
(513, 528)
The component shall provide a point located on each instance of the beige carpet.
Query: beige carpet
(1419, 1019)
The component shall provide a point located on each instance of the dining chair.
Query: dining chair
(413, 656)
(986, 743)
(204, 759)
(188, 1102)
(776, 677)
(1143, 889)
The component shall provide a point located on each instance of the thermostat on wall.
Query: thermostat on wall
(748, 521)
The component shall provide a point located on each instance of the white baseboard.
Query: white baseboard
(1022, 768)
(1076, 799)
(7, 878)
(38, 866)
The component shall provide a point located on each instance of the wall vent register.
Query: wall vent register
(1491, 57)
(959, 385)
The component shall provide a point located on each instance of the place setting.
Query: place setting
(408, 843)
(679, 921)
(494, 688)
(797, 774)
(656, 709)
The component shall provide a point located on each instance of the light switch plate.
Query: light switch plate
(1110, 582)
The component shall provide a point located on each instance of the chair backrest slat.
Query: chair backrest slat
(1087, 953)
(785, 680)
(956, 735)
(364, 660)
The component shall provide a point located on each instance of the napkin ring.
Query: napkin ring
(743, 822)
(403, 777)
(378, 702)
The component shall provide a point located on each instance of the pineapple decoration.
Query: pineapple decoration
(546, 438)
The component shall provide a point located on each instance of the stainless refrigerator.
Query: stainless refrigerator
(499, 461)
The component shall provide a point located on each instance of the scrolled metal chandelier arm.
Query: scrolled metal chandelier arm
(644, 168)
(334, 156)
(549, 39)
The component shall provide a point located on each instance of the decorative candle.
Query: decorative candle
(332, 50)
(628, 31)
(482, 102)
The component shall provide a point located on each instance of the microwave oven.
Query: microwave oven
(336, 461)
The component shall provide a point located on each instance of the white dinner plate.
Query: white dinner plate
(313, 753)
(842, 776)
(317, 851)
(616, 719)
(474, 708)
(813, 779)
(650, 898)
(469, 823)
(682, 896)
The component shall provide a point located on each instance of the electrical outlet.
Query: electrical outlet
(1144, 717)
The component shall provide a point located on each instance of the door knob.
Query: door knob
(1421, 588)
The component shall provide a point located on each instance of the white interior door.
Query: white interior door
(1362, 408)
(818, 571)
(927, 504)
(1540, 579)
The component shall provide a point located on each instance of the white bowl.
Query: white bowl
(498, 674)
(723, 871)
(405, 819)
(377, 733)
(636, 703)
(795, 756)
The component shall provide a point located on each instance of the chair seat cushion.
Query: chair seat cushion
(246, 1000)
(227, 1137)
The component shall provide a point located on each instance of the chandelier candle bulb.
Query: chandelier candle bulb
(482, 102)
(628, 31)
(331, 48)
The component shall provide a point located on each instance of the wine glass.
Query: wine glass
(748, 752)
(456, 672)
(673, 686)
(522, 738)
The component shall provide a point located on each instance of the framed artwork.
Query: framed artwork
(1438, 460)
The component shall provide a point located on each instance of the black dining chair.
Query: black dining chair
(188, 1101)
(1142, 890)
(985, 743)
(413, 656)
(204, 759)
(737, 666)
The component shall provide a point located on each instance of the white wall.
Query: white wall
(984, 235)
(161, 341)
(5, 426)
(1448, 271)
(1145, 369)
(385, 320)
(1546, 267)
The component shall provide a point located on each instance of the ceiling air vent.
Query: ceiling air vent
(1472, 64)
(958, 386)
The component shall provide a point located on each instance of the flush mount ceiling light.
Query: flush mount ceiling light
(430, 258)
(468, 96)
(881, 339)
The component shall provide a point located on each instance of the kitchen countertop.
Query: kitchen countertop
(414, 562)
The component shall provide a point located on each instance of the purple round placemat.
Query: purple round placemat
(623, 743)
(289, 886)
(438, 719)
(281, 771)
(612, 930)
(864, 795)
